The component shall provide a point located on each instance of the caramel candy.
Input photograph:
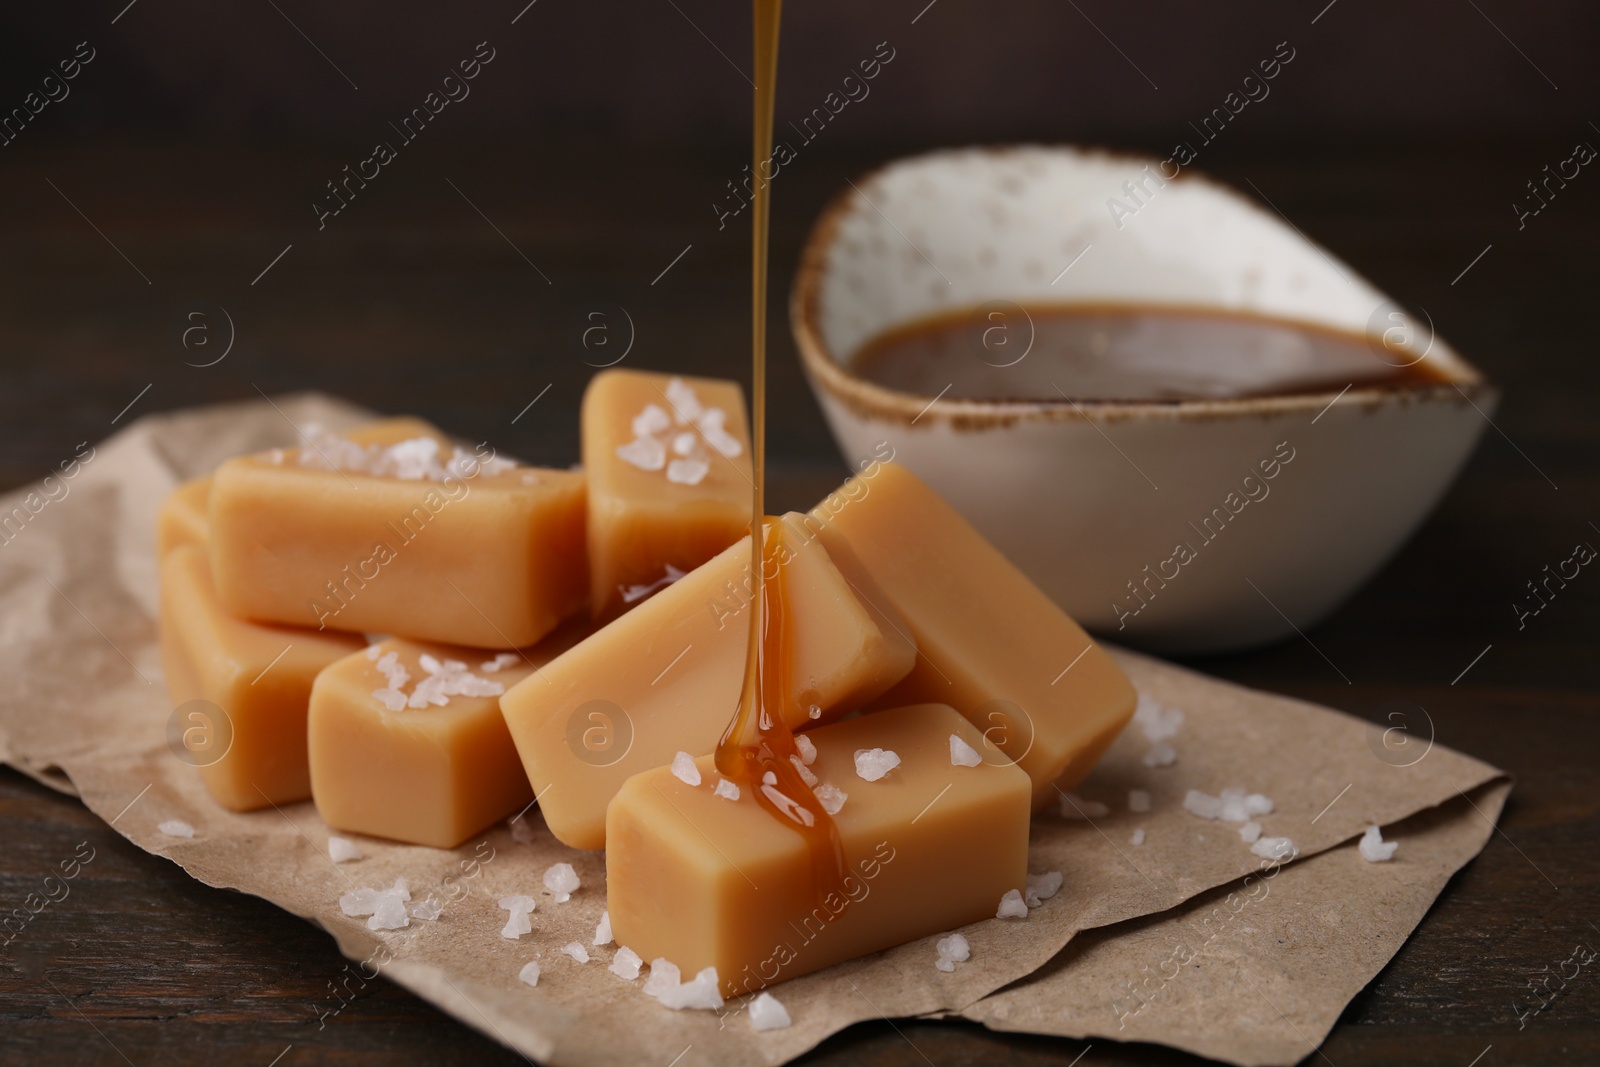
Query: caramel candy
(989, 643)
(668, 460)
(401, 537)
(666, 677)
(182, 518)
(406, 740)
(258, 675)
(707, 881)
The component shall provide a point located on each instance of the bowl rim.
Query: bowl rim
(1460, 381)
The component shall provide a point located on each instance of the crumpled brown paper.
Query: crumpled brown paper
(86, 711)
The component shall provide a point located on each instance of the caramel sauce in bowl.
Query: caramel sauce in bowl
(1223, 430)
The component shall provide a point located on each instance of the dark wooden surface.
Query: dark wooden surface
(411, 302)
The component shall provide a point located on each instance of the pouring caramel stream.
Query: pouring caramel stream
(758, 742)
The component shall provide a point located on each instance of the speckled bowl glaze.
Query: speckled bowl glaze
(1155, 523)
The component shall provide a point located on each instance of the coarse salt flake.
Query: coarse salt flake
(529, 973)
(499, 663)
(562, 881)
(428, 910)
(687, 471)
(1012, 906)
(768, 1013)
(1138, 801)
(652, 420)
(873, 763)
(808, 749)
(684, 769)
(602, 930)
(805, 772)
(952, 950)
(726, 790)
(626, 963)
(343, 850)
(176, 828)
(576, 951)
(1137, 838)
(700, 992)
(1075, 807)
(1161, 754)
(963, 754)
(645, 453)
(1204, 805)
(520, 907)
(1281, 849)
(1374, 849)
(1250, 832)
(1158, 723)
(522, 831)
(1041, 887)
(831, 797)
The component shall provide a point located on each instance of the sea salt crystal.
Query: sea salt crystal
(1374, 849)
(562, 881)
(768, 1013)
(522, 831)
(388, 907)
(653, 419)
(700, 992)
(1233, 806)
(428, 910)
(1250, 832)
(1041, 887)
(1158, 723)
(362, 901)
(726, 789)
(684, 400)
(687, 471)
(373, 652)
(1257, 804)
(1075, 807)
(873, 763)
(1012, 906)
(963, 754)
(176, 828)
(684, 770)
(663, 976)
(831, 797)
(602, 930)
(1137, 838)
(1161, 754)
(392, 699)
(805, 772)
(517, 923)
(576, 951)
(952, 950)
(814, 711)
(713, 427)
(343, 850)
(1202, 804)
(499, 663)
(1138, 801)
(529, 973)
(683, 444)
(626, 963)
(808, 750)
(1281, 849)
(645, 453)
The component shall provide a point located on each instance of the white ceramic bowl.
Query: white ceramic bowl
(1085, 497)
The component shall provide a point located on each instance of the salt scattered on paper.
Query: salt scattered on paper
(1161, 754)
(963, 754)
(1041, 887)
(517, 923)
(343, 850)
(873, 763)
(176, 828)
(952, 950)
(1075, 807)
(428, 910)
(831, 797)
(663, 976)
(522, 831)
(1202, 804)
(1374, 849)
(700, 992)
(1157, 722)
(1012, 906)
(768, 1013)
(626, 963)
(1281, 849)
(576, 951)
(684, 769)
(602, 929)
(1250, 832)
(529, 973)
(562, 881)
(1137, 838)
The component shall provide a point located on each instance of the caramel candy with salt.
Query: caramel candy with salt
(668, 461)
(182, 518)
(706, 881)
(401, 536)
(989, 643)
(666, 677)
(260, 678)
(391, 761)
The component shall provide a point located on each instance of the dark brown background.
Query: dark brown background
(596, 141)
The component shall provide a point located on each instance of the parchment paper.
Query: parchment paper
(85, 710)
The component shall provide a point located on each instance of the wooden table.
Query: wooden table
(412, 301)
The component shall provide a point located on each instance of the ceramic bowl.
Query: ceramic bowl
(1152, 522)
